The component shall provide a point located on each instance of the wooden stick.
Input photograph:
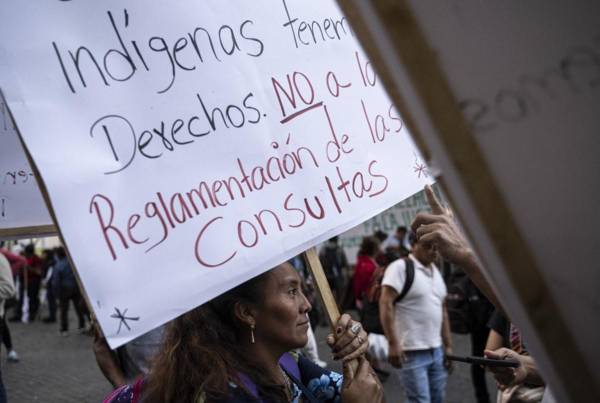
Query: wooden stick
(27, 232)
(311, 257)
(316, 269)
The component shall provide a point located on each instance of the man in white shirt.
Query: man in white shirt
(440, 229)
(416, 327)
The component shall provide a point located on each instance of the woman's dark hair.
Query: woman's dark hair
(369, 246)
(202, 353)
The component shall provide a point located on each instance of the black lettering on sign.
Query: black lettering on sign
(6, 123)
(122, 142)
(307, 33)
(84, 66)
(3, 203)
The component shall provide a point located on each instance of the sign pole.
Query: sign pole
(311, 257)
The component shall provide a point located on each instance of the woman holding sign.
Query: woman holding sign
(236, 348)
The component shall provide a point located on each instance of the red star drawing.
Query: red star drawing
(420, 169)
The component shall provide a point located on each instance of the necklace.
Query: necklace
(288, 385)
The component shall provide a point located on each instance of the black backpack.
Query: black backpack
(370, 312)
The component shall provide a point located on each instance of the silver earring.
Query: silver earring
(252, 333)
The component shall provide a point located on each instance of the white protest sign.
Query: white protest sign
(22, 207)
(189, 146)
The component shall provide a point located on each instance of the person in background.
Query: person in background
(17, 263)
(235, 349)
(30, 279)
(397, 243)
(417, 327)
(364, 269)
(335, 264)
(504, 334)
(67, 290)
(34, 280)
(383, 259)
(481, 310)
(440, 229)
(130, 361)
(48, 270)
(7, 290)
(469, 312)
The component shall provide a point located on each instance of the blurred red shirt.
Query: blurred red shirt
(34, 264)
(365, 266)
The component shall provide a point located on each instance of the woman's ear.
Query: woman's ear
(244, 313)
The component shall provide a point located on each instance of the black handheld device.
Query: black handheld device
(487, 362)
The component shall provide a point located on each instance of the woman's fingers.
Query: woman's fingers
(342, 324)
(357, 346)
(359, 352)
(330, 339)
(348, 333)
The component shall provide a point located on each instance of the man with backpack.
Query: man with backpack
(416, 326)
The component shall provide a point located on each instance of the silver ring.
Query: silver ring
(355, 328)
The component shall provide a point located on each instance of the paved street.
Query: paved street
(63, 370)
(53, 368)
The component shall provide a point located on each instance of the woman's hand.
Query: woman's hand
(361, 385)
(350, 340)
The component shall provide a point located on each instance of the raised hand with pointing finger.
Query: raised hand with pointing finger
(440, 228)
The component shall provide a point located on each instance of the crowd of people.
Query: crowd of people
(403, 298)
(45, 279)
(411, 290)
(34, 278)
(28, 280)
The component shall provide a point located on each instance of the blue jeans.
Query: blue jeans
(423, 376)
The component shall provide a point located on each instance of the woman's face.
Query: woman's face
(282, 317)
